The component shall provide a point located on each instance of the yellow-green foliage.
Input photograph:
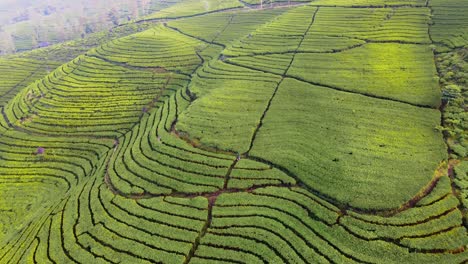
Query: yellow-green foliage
(304, 118)
(231, 103)
(18, 73)
(450, 23)
(176, 52)
(227, 26)
(404, 24)
(179, 145)
(279, 35)
(403, 72)
(366, 3)
(188, 8)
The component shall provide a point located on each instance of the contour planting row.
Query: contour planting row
(230, 102)
(190, 8)
(218, 118)
(143, 164)
(295, 226)
(212, 138)
(449, 28)
(280, 35)
(405, 71)
(376, 191)
(36, 172)
(249, 173)
(159, 48)
(290, 225)
(336, 29)
(152, 160)
(55, 131)
(400, 72)
(226, 27)
(97, 98)
(339, 28)
(370, 3)
(93, 225)
(373, 145)
(18, 73)
(44, 167)
(276, 63)
(407, 25)
(266, 2)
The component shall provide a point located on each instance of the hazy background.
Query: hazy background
(29, 24)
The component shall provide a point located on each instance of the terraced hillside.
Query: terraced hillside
(246, 132)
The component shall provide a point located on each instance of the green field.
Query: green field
(190, 8)
(222, 132)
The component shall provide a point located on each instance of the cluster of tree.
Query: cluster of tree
(52, 21)
(453, 70)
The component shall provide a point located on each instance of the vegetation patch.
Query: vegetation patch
(241, 132)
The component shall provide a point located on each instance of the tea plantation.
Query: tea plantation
(223, 131)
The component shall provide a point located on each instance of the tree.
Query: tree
(88, 29)
(451, 92)
(112, 15)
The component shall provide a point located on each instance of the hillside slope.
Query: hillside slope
(301, 133)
